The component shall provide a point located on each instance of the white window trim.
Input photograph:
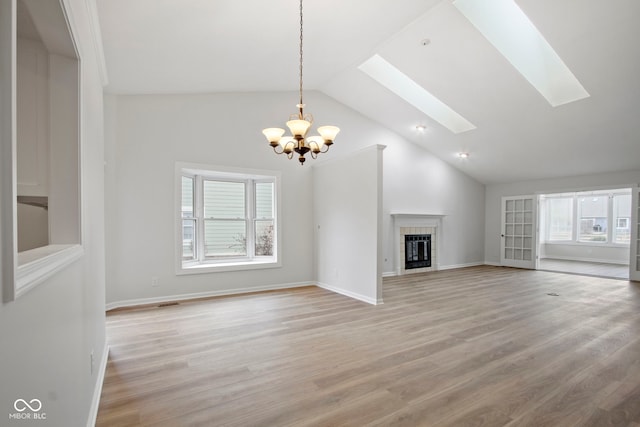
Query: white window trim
(547, 238)
(575, 241)
(220, 265)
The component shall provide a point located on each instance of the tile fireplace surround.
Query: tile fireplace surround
(416, 224)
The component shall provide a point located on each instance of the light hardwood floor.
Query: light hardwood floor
(480, 346)
(599, 269)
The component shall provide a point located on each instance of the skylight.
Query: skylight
(400, 84)
(505, 25)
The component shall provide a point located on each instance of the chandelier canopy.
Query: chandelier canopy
(299, 125)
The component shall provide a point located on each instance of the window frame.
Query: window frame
(608, 198)
(547, 231)
(576, 218)
(207, 264)
(203, 258)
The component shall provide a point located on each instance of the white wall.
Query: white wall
(49, 333)
(417, 182)
(147, 134)
(347, 216)
(33, 227)
(33, 118)
(495, 192)
(414, 181)
(586, 252)
(64, 215)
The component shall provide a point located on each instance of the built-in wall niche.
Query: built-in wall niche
(46, 222)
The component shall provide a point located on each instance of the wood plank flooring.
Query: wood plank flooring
(480, 346)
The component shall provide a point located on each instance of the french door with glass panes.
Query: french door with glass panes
(518, 232)
(634, 262)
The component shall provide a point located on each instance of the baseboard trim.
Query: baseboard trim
(196, 295)
(389, 274)
(350, 294)
(97, 391)
(493, 264)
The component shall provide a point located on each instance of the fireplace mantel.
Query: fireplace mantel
(403, 215)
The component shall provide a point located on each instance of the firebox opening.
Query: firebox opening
(417, 249)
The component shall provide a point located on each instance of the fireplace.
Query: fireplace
(417, 250)
(409, 224)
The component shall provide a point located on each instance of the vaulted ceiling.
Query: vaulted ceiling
(200, 46)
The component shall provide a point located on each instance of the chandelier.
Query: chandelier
(299, 125)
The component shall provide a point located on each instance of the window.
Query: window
(560, 219)
(227, 220)
(594, 217)
(188, 219)
(622, 218)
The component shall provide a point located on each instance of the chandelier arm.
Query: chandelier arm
(325, 148)
(275, 149)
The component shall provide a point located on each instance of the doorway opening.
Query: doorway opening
(587, 232)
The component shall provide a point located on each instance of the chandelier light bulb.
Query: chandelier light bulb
(273, 134)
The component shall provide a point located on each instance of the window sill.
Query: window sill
(197, 268)
(37, 265)
(594, 244)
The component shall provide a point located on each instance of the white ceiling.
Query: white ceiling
(193, 46)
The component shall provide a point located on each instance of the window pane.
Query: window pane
(560, 219)
(224, 199)
(264, 238)
(593, 218)
(264, 200)
(188, 239)
(187, 197)
(225, 238)
(622, 218)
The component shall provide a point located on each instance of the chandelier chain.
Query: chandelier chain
(301, 51)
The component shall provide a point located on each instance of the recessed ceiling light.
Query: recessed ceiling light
(421, 128)
(463, 155)
(506, 26)
(400, 84)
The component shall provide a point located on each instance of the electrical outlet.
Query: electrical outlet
(155, 282)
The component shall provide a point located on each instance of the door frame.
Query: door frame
(634, 252)
(531, 264)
